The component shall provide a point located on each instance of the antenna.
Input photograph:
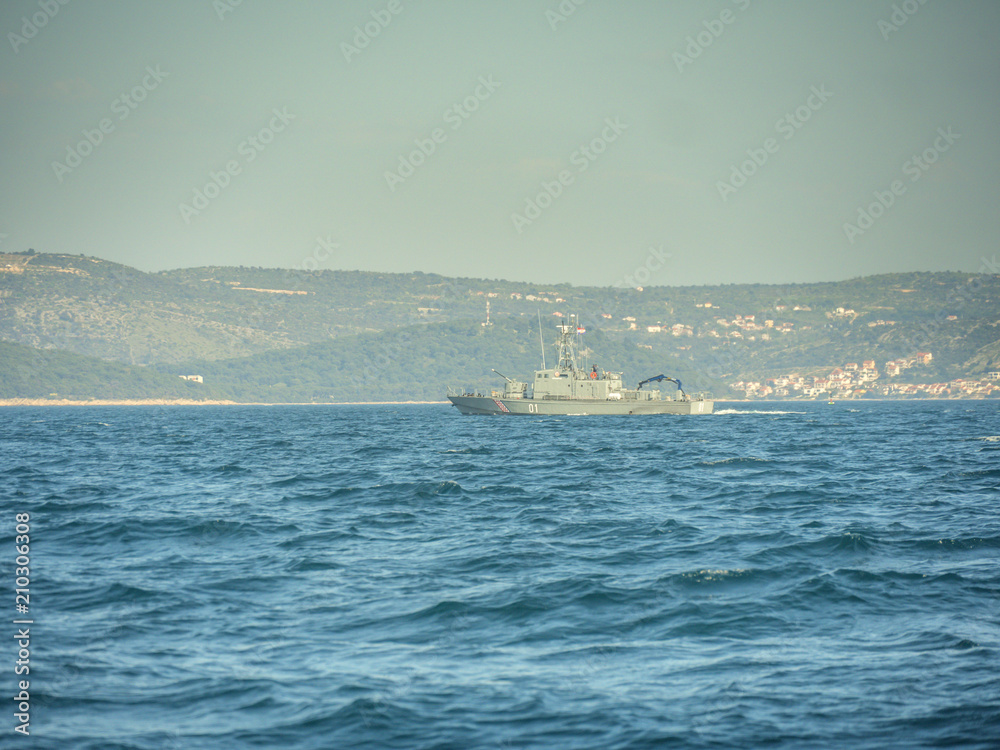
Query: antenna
(541, 343)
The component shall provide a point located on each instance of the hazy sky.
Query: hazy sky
(592, 141)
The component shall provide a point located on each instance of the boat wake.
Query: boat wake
(756, 411)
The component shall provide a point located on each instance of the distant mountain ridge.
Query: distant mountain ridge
(280, 335)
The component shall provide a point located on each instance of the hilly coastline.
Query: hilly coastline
(87, 328)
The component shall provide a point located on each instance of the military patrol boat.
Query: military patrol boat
(568, 389)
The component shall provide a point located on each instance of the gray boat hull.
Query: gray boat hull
(529, 406)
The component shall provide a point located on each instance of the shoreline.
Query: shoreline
(193, 402)
(189, 402)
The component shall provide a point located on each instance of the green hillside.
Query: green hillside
(418, 363)
(277, 335)
(33, 373)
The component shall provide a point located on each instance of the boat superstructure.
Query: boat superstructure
(567, 388)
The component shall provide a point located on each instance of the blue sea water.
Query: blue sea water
(794, 575)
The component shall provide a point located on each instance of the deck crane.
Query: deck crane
(657, 378)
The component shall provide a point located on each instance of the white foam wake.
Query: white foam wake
(756, 411)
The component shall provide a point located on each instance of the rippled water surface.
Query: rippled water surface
(773, 575)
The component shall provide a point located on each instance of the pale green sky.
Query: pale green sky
(667, 98)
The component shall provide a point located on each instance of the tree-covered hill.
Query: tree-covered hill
(276, 334)
(33, 373)
(420, 363)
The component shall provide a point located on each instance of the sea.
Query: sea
(774, 575)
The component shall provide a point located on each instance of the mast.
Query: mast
(567, 349)
(541, 342)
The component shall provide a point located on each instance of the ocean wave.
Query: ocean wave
(612, 586)
(420, 490)
(736, 461)
(757, 411)
(230, 468)
(481, 450)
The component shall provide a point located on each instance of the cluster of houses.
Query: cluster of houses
(677, 329)
(549, 297)
(748, 323)
(740, 324)
(853, 380)
(841, 313)
(966, 387)
(896, 367)
(745, 327)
